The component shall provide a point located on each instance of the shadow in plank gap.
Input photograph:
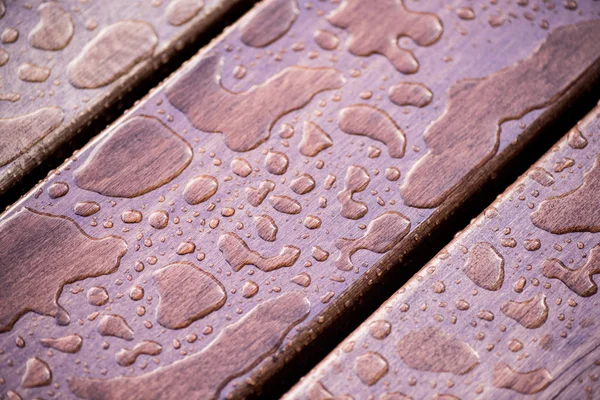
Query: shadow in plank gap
(70, 68)
(506, 309)
(239, 215)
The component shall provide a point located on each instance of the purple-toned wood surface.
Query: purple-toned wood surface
(240, 208)
(509, 309)
(63, 63)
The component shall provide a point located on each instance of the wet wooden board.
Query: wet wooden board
(508, 309)
(235, 213)
(64, 63)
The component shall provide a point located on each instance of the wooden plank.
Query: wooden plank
(200, 217)
(64, 64)
(508, 309)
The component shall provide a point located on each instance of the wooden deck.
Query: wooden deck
(507, 309)
(66, 67)
(236, 216)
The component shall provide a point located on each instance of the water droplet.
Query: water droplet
(97, 296)
(241, 167)
(485, 315)
(462, 305)
(312, 222)
(185, 248)
(200, 189)
(159, 219)
(249, 289)
(439, 287)
(67, 344)
(326, 40)
(58, 189)
(410, 94)
(522, 382)
(115, 325)
(303, 184)
(314, 139)
(432, 349)
(239, 71)
(400, 396)
(370, 367)
(373, 152)
(357, 179)
(380, 329)
(126, 357)
(302, 279)
(530, 313)
(181, 11)
(4, 58)
(238, 254)
(532, 244)
(576, 139)
(364, 120)
(136, 293)
(86, 208)
(269, 23)
(520, 284)
(541, 176)
(465, 13)
(578, 280)
(382, 234)
(266, 227)
(485, 266)
(212, 108)
(136, 157)
(286, 131)
(393, 22)
(37, 374)
(514, 345)
(256, 196)
(319, 254)
(55, 29)
(112, 54)
(131, 216)
(9, 35)
(276, 163)
(285, 204)
(317, 392)
(186, 294)
(33, 73)
(392, 174)
(573, 211)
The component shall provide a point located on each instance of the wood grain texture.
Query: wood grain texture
(291, 276)
(508, 309)
(73, 60)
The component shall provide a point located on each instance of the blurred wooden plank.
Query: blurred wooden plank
(66, 63)
(507, 309)
(271, 149)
